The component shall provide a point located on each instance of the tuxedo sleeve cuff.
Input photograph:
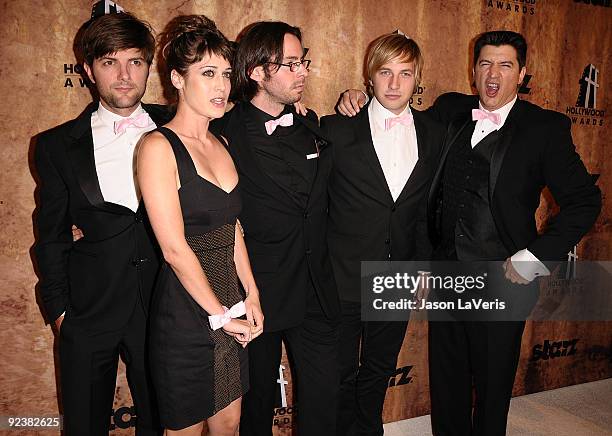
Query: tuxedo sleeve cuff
(528, 266)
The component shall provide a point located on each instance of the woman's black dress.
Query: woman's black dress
(197, 371)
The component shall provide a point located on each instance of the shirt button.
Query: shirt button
(308, 251)
(387, 241)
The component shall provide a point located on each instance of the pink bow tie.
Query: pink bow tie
(142, 120)
(406, 120)
(285, 121)
(479, 114)
(218, 321)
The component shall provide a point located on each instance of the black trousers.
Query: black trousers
(364, 376)
(463, 354)
(312, 350)
(88, 373)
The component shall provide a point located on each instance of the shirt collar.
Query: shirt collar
(503, 111)
(378, 113)
(108, 118)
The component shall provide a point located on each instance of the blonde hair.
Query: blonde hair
(389, 47)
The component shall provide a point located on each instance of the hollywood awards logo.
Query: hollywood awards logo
(585, 112)
(526, 7)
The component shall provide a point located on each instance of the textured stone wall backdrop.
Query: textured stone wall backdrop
(39, 88)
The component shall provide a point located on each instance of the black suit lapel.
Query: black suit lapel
(159, 114)
(419, 173)
(81, 155)
(499, 152)
(321, 144)
(366, 147)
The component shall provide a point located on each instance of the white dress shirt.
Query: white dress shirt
(114, 156)
(396, 148)
(523, 261)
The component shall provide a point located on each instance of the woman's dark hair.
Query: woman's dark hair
(186, 39)
(258, 44)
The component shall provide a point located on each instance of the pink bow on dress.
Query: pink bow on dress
(218, 321)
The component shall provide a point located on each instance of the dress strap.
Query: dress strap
(184, 163)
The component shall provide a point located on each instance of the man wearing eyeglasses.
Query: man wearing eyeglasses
(283, 163)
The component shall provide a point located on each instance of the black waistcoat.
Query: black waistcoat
(468, 229)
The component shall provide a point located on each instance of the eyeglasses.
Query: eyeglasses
(294, 66)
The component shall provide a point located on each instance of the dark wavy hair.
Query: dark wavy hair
(113, 32)
(258, 44)
(502, 37)
(186, 39)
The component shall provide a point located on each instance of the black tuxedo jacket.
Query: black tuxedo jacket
(285, 240)
(364, 221)
(98, 279)
(535, 150)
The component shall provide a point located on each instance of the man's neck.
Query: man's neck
(262, 102)
(123, 112)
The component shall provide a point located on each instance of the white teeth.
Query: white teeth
(493, 85)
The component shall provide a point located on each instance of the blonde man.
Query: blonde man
(383, 161)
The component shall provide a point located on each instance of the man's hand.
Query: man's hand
(76, 233)
(58, 323)
(254, 314)
(512, 274)
(300, 108)
(351, 101)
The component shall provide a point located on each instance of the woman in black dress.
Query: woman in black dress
(190, 188)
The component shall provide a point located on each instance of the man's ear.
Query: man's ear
(522, 75)
(258, 74)
(89, 72)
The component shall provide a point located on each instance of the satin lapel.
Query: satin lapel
(159, 114)
(363, 134)
(320, 143)
(82, 157)
(499, 152)
(235, 131)
(423, 160)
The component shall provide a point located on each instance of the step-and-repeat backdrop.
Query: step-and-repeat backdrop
(569, 66)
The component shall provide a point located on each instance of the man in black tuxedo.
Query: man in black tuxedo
(383, 161)
(96, 291)
(499, 153)
(283, 163)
